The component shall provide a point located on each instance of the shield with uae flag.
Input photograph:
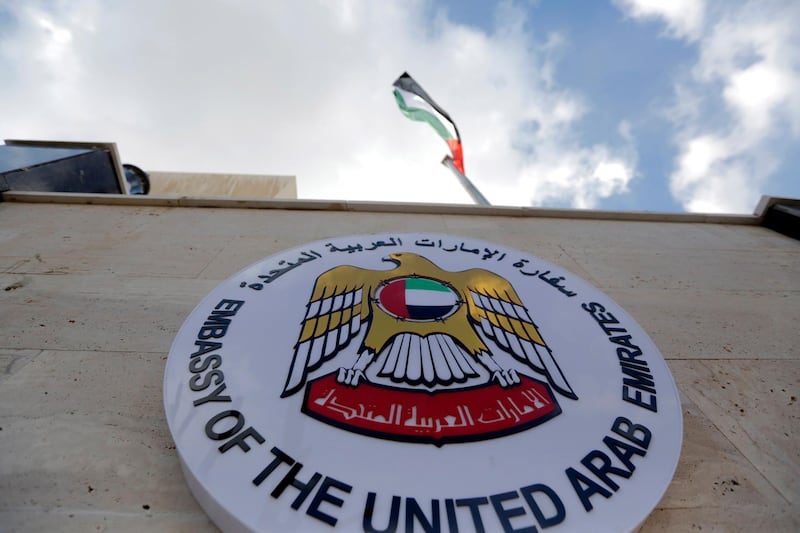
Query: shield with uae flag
(418, 299)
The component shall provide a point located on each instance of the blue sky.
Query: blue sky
(687, 105)
(623, 81)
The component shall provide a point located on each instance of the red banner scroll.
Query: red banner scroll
(457, 415)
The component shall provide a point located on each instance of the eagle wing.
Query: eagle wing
(337, 310)
(496, 309)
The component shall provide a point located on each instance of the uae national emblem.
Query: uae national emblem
(430, 364)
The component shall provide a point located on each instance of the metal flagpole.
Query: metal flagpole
(473, 191)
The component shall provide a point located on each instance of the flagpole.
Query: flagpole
(473, 191)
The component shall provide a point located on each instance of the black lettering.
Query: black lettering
(623, 451)
(414, 511)
(602, 317)
(627, 356)
(624, 340)
(474, 509)
(558, 514)
(639, 378)
(637, 399)
(233, 305)
(605, 318)
(394, 515)
(629, 431)
(604, 469)
(217, 375)
(213, 396)
(239, 440)
(280, 457)
(233, 430)
(217, 318)
(593, 307)
(213, 360)
(212, 332)
(505, 515)
(216, 325)
(450, 509)
(291, 479)
(585, 488)
(203, 347)
(322, 495)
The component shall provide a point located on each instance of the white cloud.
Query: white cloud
(684, 18)
(304, 88)
(755, 91)
(719, 174)
(698, 157)
(743, 95)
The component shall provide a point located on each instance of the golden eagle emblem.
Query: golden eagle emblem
(426, 326)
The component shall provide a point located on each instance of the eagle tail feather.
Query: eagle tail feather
(399, 371)
(441, 367)
(464, 362)
(414, 362)
(455, 369)
(429, 370)
(392, 352)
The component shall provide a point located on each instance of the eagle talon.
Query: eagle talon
(506, 378)
(498, 376)
(350, 376)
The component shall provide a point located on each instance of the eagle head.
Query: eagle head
(393, 258)
(412, 261)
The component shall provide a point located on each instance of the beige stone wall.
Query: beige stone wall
(91, 297)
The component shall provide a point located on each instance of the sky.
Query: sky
(632, 105)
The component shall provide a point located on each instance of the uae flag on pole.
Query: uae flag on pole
(416, 104)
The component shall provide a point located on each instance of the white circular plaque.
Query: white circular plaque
(419, 382)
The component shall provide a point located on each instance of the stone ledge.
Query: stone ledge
(376, 207)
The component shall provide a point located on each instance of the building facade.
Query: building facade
(95, 287)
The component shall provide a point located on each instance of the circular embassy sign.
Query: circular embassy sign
(419, 382)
